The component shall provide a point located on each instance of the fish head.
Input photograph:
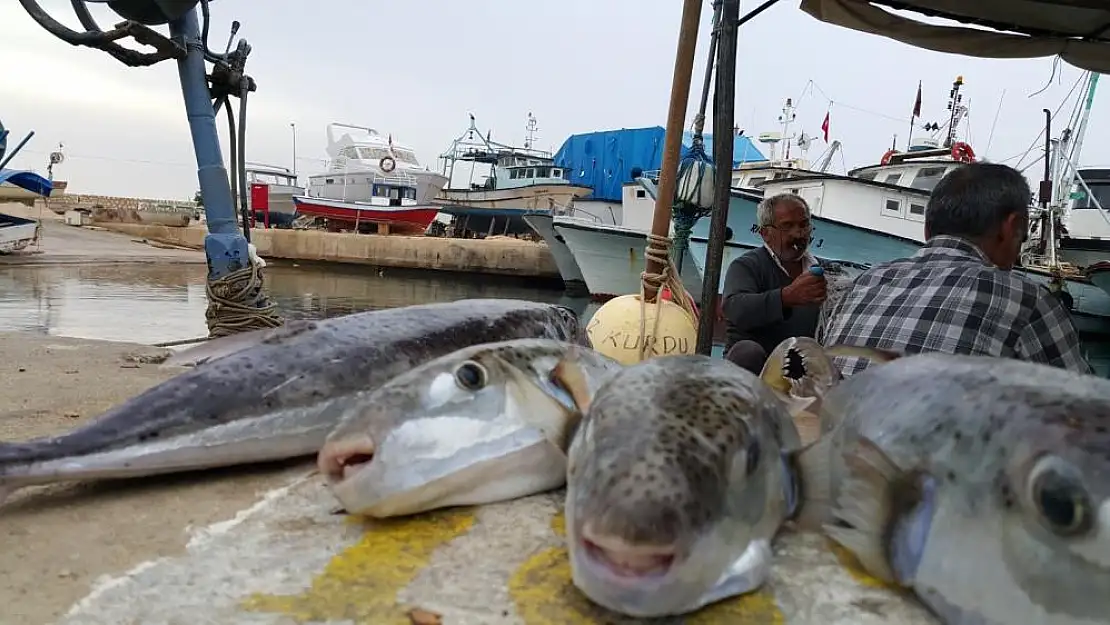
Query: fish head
(799, 371)
(674, 474)
(486, 423)
(1055, 496)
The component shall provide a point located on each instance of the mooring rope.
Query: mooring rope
(237, 303)
(658, 249)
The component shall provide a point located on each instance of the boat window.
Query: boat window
(556, 173)
(410, 194)
(1101, 194)
(754, 181)
(530, 173)
(405, 156)
(893, 178)
(867, 175)
(917, 209)
(894, 206)
(512, 174)
(543, 172)
(372, 154)
(928, 178)
(394, 193)
(380, 191)
(329, 180)
(641, 193)
(349, 152)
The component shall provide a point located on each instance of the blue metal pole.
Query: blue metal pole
(224, 246)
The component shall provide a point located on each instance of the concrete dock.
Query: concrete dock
(262, 546)
(494, 256)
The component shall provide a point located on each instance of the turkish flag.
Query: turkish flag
(825, 127)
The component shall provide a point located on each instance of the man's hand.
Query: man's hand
(805, 290)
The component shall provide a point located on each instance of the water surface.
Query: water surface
(156, 303)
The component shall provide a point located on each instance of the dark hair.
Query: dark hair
(975, 199)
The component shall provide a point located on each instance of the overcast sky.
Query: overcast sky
(415, 69)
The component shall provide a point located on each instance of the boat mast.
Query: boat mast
(956, 111)
(786, 119)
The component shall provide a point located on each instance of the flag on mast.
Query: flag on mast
(825, 127)
(917, 102)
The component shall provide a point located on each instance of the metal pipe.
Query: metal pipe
(16, 149)
(724, 114)
(672, 141)
(224, 246)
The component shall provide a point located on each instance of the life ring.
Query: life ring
(885, 160)
(962, 152)
(387, 164)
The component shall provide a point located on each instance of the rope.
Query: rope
(237, 303)
(658, 249)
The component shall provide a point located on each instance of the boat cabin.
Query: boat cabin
(369, 187)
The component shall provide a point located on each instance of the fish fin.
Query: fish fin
(865, 511)
(568, 375)
(873, 354)
(810, 465)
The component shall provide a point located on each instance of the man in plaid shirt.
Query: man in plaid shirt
(957, 294)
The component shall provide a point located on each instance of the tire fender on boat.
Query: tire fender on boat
(387, 164)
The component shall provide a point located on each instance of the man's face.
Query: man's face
(789, 232)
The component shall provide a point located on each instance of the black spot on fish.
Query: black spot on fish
(793, 364)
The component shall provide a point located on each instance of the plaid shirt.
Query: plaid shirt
(949, 298)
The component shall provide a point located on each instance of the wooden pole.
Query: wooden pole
(676, 121)
(724, 114)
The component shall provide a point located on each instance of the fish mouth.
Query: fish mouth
(628, 564)
(338, 460)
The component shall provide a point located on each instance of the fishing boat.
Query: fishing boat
(16, 233)
(1085, 238)
(519, 178)
(391, 208)
(606, 233)
(272, 189)
(360, 157)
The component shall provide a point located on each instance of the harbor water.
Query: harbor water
(153, 303)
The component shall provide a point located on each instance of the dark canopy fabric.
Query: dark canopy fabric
(1077, 30)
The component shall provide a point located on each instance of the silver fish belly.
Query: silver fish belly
(277, 399)
(676, 485)
(981, 484)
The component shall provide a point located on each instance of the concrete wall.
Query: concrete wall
(85, 200)
(491, 256)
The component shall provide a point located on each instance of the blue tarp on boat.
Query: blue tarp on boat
(604, 160)
(26, 180)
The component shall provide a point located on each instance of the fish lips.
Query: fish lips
(443, 461)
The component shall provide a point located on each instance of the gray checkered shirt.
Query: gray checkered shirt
(949, 298)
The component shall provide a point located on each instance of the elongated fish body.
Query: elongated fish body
(277, 399)
(981, 484)
(487, 423)
(676, 485)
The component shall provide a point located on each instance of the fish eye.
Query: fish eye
(1060, 499)
(471, 376)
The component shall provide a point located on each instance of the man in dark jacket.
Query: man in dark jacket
(771, 293)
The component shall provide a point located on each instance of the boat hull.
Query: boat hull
(544, 225)
(400, 219)
(16, 233)
(533, 197)
(611, 258)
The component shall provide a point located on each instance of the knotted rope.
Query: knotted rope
(658, 250)
(237, 303)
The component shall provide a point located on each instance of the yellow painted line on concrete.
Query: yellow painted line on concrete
(543, 593)
(361, 583)
(852, 565)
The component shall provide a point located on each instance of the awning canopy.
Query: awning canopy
(1077, 30)
(27, 180)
